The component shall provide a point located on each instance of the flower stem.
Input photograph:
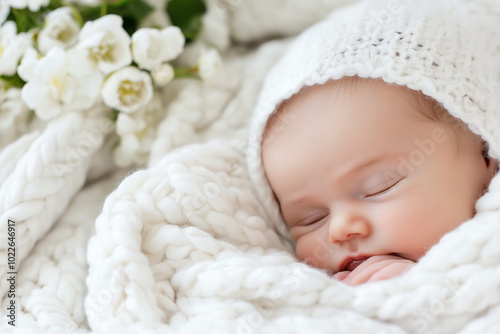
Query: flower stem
(186, 72)
(77, 16)
(104, 7)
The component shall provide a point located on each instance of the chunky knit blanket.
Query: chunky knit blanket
(184, 246)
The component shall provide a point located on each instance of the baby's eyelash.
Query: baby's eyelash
(308, 222)
(380, 192)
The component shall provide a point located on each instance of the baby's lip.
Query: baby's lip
(351, 262)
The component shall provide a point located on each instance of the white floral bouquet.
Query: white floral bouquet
(63, 56)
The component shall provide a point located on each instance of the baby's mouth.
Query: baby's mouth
(352, 263)
(363, 269)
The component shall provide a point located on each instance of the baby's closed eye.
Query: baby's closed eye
(311, 219)
(380, 187)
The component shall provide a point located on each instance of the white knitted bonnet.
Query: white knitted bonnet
(448, 49)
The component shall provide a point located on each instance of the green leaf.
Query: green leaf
(13, 80)
(114, 115)
(187, 15)
(131, 11)
(89, 13)
(27, 20)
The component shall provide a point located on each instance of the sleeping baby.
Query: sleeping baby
(375, 171)
(356, 140)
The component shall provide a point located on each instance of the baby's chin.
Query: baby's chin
(376, 268)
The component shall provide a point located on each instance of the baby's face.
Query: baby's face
(357, 174)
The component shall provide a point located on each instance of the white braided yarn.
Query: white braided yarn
(214, 264)
(52, 278)
(38, 190)
(10, 155)
(183, 247)
(132, 241)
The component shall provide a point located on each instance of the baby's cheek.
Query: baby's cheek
(311, 251)
(398, 225)
(304, 253)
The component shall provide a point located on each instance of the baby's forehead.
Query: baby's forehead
(414, 106)
(312, 99)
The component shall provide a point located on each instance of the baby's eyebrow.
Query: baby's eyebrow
(357, 167)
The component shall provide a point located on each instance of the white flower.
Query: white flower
(28, 62)
(61, 29)
(163, 74)
(106, 42)
(127, 89)
(33, 5)
(12, 107)
(4, 11)
(89, 3)
(158, 17)
(174, 38)
(209, 64)
(127, 124)
(137, 132)
(151, 47)
(215, 25)
(124, 154)
(12, 47)
(147, 48)
(61, 82)
(13, 114)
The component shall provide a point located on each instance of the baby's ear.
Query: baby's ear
(485, 153)
(491, 164)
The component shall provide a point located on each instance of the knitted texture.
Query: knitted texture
(45, 178)
(186, 245)
(449, 50)
(42, 173)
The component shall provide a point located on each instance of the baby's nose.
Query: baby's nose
(346, 226)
